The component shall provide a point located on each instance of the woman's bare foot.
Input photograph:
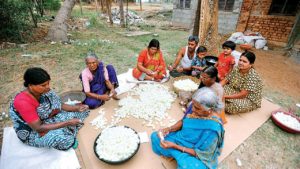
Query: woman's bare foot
(168, 158)
(115, 97)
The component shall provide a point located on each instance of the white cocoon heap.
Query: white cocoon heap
(117, 143)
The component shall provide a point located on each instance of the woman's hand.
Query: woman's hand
(74, 122)
(105, 97)
(149, 72)
(165, 131)
(167, 144)
(82, 108)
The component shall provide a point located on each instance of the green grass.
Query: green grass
(266, 146)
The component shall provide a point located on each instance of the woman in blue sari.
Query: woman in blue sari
(98, 81)
(195, 142)
(39, 117)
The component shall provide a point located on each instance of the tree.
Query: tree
(122, 19)
(58, 30)
(208, 25)
(108, 8)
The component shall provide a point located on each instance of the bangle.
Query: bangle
(170, 128)
(183, 149)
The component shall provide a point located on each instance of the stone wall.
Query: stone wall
(254, 16)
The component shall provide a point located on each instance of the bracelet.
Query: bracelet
(183, 149)
(170, 128)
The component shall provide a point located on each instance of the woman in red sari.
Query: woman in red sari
(151, 64)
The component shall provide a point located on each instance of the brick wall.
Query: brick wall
(254, 16)
(275, 28)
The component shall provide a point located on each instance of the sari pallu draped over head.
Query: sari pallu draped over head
(49, 112)
(205, 136)
(155, 63)
(98, 85)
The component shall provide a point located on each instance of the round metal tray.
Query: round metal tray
(121, 161)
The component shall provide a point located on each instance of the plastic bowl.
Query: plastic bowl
(282, 125)
(121, 161)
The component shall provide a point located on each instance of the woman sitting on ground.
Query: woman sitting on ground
(98, 81)
(151, 64)
(194, 141)
(243, 86)
(209, 78)
(39, 117)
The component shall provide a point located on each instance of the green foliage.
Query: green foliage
(52, 4)
(14, 17)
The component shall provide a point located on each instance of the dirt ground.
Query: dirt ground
(269, 147)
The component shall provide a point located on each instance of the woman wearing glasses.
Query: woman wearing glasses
(150, 64)
(39, 117)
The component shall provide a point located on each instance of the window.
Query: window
(182, 4)
(226, 5)
(284, 7)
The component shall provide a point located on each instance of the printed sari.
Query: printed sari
(49, 112)
(205, 136)
(98, 85)
(155, 63)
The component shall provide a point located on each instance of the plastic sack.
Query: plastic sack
(260, 43)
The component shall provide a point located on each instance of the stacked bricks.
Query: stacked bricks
(254, 16)
(274, 28)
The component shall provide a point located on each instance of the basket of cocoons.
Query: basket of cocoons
(117, 144)
(185, 83)
(287, 121)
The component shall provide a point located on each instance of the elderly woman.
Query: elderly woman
(39, 117)
(98, 81)
(243, 86)
(196, 140)
(151, 64)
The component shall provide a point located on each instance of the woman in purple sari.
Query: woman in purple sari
(98, 81)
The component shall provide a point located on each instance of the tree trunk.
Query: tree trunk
(197, 19)
(122, 19)
(97, 7)
(58, 30)
(141, 5)
(80, 7)
(208, 31)
(102, 5)
(108, 8)
(34, 18)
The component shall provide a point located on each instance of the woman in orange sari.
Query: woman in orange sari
(151, 64)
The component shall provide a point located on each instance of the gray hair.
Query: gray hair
(91, 55)
(208, 99)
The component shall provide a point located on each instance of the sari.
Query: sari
(155, 63)
(204, 135)
(49, 112)
(237, 82)
(98, 85)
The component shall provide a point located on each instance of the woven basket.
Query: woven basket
(73, 95)
(194, 79)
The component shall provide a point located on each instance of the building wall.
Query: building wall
(227, 21)
(184, 17)
(254, 16)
